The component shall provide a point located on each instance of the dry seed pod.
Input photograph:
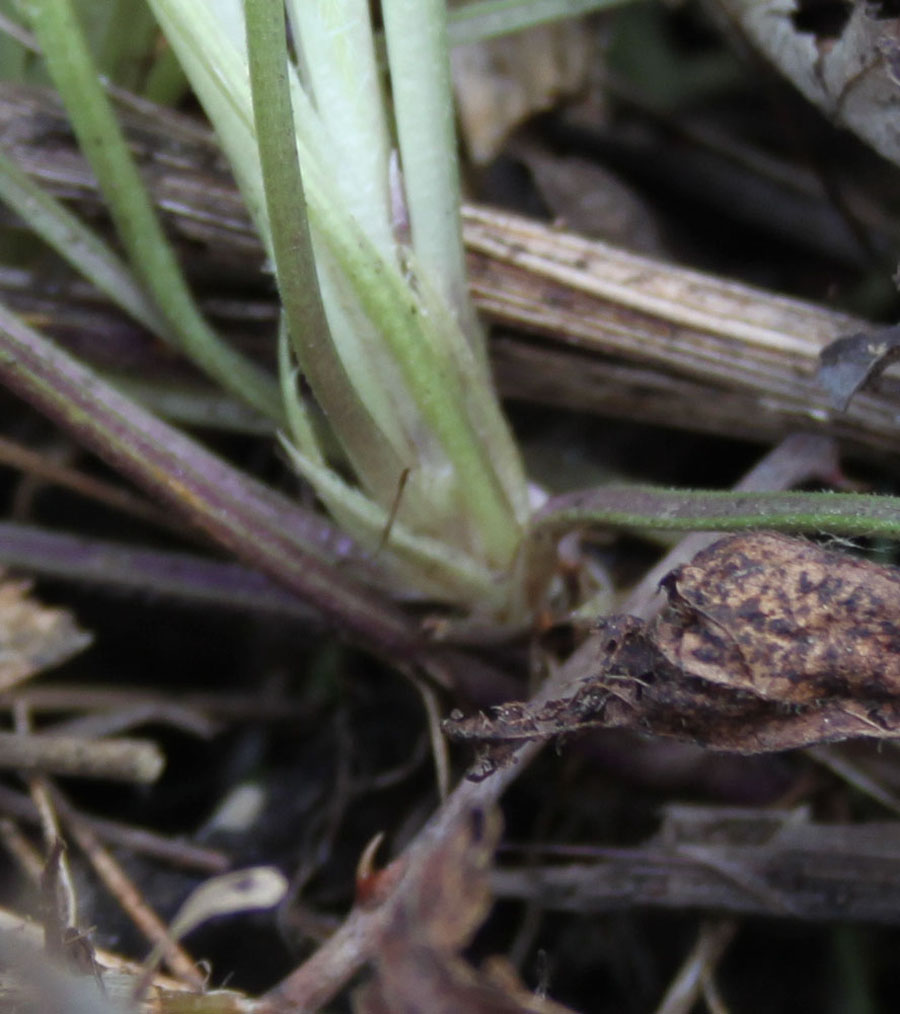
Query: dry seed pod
(785, 620)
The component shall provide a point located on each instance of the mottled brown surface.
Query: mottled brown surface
(784, 619)
(767, 643)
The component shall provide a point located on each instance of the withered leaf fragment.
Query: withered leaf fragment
(849, 364)
(766, 643)
(785, 620)
(850, 72)
(33, 637)
(417, 964)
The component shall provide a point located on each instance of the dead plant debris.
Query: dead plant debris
(417, 963)
(33, 637)
(766, 643)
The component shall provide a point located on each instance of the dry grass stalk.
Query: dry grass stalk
(631, 336)
(620, 334)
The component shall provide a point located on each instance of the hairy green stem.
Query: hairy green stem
(644, 507)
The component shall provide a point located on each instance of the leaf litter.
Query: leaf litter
(765, 643)
(718, 667)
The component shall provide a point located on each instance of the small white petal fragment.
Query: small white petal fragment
(239, 891)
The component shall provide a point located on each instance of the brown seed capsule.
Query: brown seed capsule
(785, 620)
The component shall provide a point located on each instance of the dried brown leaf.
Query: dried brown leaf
(33, 637)
(784, 620)
(417, 964)
(767, 643)
(501, 82)
(852, 77)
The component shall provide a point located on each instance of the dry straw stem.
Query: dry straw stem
(619, 333)
(132, 901)
(121, 760)
(698, 968)
(643, 339)
(315, 982)
(137, 839)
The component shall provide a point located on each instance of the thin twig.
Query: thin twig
(261, 707)
(110, 723)
(41, 466)
(130, 898)
(123, 760)
(829, 757)
(439, 751)
(137, 839)
(688, 985)
(21, 849)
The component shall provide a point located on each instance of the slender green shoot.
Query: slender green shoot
(295, 265)
(418, 56)
(487, 19)
(100, 137)
(651, 509)
(79, 245)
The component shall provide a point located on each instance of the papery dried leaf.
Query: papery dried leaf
(784, 620)
(767, 643)
(452, 892)
(501, 82)
(853, 77)
(33, 637)
(581, 194)
(417, 964)
(850, 363)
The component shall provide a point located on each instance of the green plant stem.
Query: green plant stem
(646, 508)
(79, 245)
(101, 139)
(291, 241)
(419, 58)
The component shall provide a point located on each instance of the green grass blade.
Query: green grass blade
(487, 19)
(341, 74)
(79, 245)
(419, 59)
(101, 139)
(295, 265)
(645, 507)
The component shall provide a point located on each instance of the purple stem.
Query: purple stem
(263, 529)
